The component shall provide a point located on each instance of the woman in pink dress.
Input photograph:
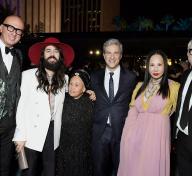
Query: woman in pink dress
(145, 142)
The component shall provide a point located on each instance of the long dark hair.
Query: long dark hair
(164, 86)
(58, 79)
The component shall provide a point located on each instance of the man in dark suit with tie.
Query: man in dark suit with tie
(10, 76)
(113, 87)
(183, 123)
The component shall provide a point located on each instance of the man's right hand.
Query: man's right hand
(19, 145)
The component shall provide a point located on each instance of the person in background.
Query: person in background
(145, 142)
(40, 106)
(113, 86)
(185, 65)
(11, 31)
(74, 153)
(175, 72)
(183, 122)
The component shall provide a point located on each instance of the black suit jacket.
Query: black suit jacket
(9, 95)
(183, 81)
(117, 109)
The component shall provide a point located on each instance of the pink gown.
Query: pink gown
(145, 142)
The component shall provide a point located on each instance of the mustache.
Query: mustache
(52, 57)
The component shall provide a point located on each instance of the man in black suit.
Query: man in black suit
(113, 87)
(183, 125)
(10, 76)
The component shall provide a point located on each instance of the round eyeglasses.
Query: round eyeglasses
(11, 28)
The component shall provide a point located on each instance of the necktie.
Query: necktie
(185, 115)
(11, 50)
(111, 87)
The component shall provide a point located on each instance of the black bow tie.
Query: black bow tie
(11, 50)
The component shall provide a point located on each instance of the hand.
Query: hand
(92, 95)
(19, 145)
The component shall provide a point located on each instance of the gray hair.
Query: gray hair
(189, 46)
(113, 41)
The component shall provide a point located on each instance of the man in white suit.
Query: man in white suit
(40, 106)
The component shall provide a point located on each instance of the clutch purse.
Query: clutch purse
(22, 160)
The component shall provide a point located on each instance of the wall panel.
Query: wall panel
(40, 15)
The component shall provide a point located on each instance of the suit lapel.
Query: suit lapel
(181, 88)
(14, 62)
(2, 64)
(121, 86)
(101, 83)
(184, 78)
(13, 65)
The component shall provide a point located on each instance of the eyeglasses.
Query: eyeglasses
(190, 51)
(11, 28)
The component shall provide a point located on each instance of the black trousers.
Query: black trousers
(7, 153)
(106, 154)
(184, 154)
(42, 163)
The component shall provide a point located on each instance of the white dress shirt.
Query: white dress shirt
(7, 58)
(116, 77)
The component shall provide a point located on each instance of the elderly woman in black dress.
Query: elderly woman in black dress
(74, 154)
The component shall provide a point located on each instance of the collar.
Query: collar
(116, 71)
(2, 46)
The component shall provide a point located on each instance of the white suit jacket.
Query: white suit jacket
(33, 113)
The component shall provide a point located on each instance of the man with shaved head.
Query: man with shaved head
(11, 31)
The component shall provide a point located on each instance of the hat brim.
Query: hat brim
(35, 52)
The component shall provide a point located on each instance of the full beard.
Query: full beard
(51, 66)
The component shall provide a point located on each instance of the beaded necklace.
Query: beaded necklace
(151, 89)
